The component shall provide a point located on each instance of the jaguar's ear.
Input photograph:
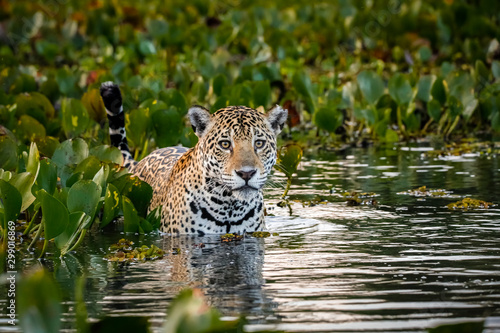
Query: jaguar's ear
(277, 118)
(200, 118)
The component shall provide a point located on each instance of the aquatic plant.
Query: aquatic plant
(469, 203)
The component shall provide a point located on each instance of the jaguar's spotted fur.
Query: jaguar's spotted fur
(215, 187)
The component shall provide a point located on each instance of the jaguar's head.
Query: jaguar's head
(237, 146)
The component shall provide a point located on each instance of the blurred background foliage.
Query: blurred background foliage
(349, 71)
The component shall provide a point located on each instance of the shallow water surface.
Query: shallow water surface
(403, 266)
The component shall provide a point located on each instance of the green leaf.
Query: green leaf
(168, 127)
(11, 202)
(55, 216)
(87, 168)
(111, 205)
(39, 303)
(469, 109)
(424, 87)
(147, 47)
(219, 83)
(495, 69)
(206, 67)
(75, 118)
(438, 91)
(455, 106)
(130, 216)
(371, 86)
(75, 221)
(33, 160)
(154, 217)
(35, 105)
(29, 129)
(328, 118)
(138, 126)
(94, 105)
(107, 153)
(288, 159)
(173, 97)
(434, 109)
(482, 73)
(262, 94)
(391, 136)
(67, 155)
(136, 190)
(84, 196)
(400, 89)
(8, 153)
(23, 182)
(302, 83)
(47, 176)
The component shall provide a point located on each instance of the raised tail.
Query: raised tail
(112, 99)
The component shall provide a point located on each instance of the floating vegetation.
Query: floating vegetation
(423, 191)
(463, 148)
(230, 238)
(312, 203)
(124, 251)
(360, 198)
(262, 234)
(469, 203)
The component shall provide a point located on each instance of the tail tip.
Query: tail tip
(111, 96)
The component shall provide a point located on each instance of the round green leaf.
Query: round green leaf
(424, 88)
(130, 216)
(168, 127)
(8, 153)
(70, 152)
(288, 159)
(55, 215)
(400, 89)
(47, 176)
(94, 105)
(107, 153)
(111, 205)
(438, 91)
(11, 201)
(84, 196)
(371, 86)
(29, 129)
(328, 119)
(434, 109)
(75, 118)
(23, 182)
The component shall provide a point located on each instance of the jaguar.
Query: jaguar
(216, 186)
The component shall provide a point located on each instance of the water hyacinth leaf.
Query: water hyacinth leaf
(302, 83)
(71, 152)
(144, 226)
(482, 73)
(455, 106)
(47, 145)
(424, 87)
(55, 216)
(94, 105)
(188, 138)
(328, 118)
(391, 136)
(75, 118)
(8, 152)
(111, 205)
(173, 97)
(101, 177)
(168, 127)
(469, 109)
(206, 66)
(39, 303)
(262, 94)
(35, 105)
(24, 182)
(495, 69)
(130, 216)
(136, 190)
(47, 176)
(11, 202)
(29, 129)
(137, 125)
(154, 217)
(146, 47)
(87, 168)
(288, 159)
(371, 86)
(84, 196)
(434, 109)
(400, 89)
(438, 91)
(75, 221)
(219, 83)
(107, 153)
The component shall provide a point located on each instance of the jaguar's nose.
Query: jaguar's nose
(246, 175)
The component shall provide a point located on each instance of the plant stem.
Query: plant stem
(28, 228)
(79, 241)
(45, 242)
(288, 184)
(37, 235)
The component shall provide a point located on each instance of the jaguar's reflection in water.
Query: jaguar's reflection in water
(229, 275)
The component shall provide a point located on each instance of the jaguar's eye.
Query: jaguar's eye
(259, 144)
(225, 144)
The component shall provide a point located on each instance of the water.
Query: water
(403, 266)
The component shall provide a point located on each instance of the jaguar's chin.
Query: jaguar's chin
(245, 192)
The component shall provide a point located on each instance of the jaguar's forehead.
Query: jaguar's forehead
(240, 120)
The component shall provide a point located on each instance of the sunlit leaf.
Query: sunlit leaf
(111, 205)
(75, 118)
(288, 159)
(93, 104)
(23, 182)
